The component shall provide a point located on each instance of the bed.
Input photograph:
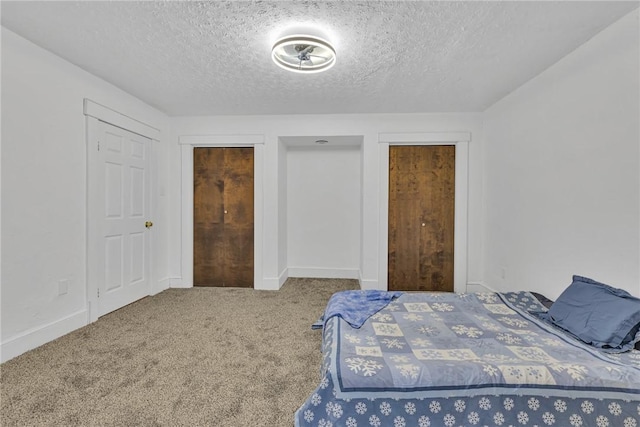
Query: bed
(443, 359)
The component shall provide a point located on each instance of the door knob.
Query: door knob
(148, 224)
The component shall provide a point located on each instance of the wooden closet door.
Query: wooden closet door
(223, 217)
(238, 217)
(421, 217)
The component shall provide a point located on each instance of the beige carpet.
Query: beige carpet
(196, 357)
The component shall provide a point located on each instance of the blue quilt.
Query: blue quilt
(438, 359)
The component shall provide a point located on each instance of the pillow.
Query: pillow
(598, 314)
(543, 299)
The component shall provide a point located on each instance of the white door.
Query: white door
(119, 201)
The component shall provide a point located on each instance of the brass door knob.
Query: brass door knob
(148, 224)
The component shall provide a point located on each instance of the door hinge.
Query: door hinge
(98, 145)
(98, 292)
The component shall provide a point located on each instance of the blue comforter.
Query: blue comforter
(466, 359)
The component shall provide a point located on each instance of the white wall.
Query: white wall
(561, 172)
(369, 126)
(323, 211)
(44, 191)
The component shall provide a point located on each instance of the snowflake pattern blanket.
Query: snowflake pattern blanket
(466, 359)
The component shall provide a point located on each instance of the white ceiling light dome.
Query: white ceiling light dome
(303, 54)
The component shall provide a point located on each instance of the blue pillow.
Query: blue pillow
(598, 314)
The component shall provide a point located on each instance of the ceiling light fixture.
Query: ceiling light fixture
(303, 54)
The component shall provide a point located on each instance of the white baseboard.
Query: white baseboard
(40, 335)
(371, 284)
(324, 273)
(161, 285)
(176, 282)
(269, 284)
(478, 287)
(283, 277)
(273, 283)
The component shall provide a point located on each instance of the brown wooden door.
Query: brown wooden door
(223, 217)
(421, 217)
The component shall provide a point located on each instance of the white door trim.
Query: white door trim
(461, 142)
(107, 115)
(188, 143)
(94, 113)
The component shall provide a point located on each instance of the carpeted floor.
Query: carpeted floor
(196, 357)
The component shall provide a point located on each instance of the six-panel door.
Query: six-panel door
(124, 253)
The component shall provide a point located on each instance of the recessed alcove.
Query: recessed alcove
(320, 206)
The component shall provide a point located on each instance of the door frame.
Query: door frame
(95, 113)
(187, 144)
(461, 142)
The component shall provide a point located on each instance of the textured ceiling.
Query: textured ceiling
(204, 58)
